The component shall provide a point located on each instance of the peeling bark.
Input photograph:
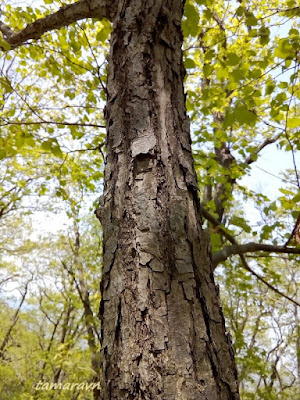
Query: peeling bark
(163, 332)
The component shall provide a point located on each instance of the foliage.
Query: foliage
(243, 91)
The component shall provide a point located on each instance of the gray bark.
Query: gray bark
(163, 333)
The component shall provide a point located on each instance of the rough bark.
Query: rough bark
(163, 332)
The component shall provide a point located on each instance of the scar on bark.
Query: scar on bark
(142, 163)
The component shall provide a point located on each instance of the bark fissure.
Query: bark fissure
(163, 332)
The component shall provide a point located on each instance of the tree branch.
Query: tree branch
(249, 160)
(64, 16)
(265, 282)
(232, 240)
(215, 222)
(237, 248)
(228, 251)
(6, 123)
(14, 320)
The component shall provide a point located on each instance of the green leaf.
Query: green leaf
(293, 122)
(2, 154)
(46, 145)
(237, 75)
(255, 73)
(56, 151)
(102, 35)
(207, 69)
(4, 44)
(209, 55)
(105, 29)
(233, 59)
(190, 24)
(287, 63)
(283, 85)
(244, 116)
(264, 33)
(251, 20)
(238, 221)
(222, 73)
(76, 46)
(286, 191)
(284, 49)
(240, 11)
(189, 63)
(296, 199)
(6, 85)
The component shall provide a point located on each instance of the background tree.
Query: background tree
(53, 339)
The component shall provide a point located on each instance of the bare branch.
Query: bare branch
(14, 320)
(276, 176)
(249, 160)
(63, 17)
(6, 123)
(9, 278)
(265, 282)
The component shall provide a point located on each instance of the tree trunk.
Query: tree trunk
(163, 332)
